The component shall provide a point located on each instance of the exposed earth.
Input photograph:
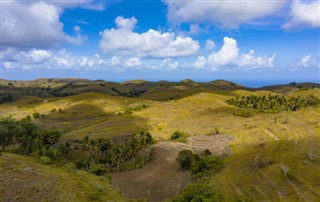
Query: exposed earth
(162, 177)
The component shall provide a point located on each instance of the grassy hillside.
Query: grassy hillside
(266, 144)
(23, 179)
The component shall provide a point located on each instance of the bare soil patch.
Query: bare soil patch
(162, 177)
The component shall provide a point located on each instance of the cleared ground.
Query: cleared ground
(162, 178)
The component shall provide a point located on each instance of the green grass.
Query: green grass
(23, 179)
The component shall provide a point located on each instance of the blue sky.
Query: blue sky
(154, 40)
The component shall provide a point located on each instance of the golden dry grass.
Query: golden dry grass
(263, 142)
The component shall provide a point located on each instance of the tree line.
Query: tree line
(25, 138)
(274, 103)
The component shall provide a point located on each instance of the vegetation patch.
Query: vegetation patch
(96, 156)
(134, 108)
(198, 192)
(200, 166)
(179, 136)
(274, 103)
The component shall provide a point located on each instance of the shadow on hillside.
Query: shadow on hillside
(62, 88)
(87, 119)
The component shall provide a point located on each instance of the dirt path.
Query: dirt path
(162, 178)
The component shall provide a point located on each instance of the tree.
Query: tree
(185, 158)
(65, 151)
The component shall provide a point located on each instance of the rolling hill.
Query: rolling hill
(264, 146)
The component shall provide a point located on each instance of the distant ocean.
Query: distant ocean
(261, 83)
(257, 83)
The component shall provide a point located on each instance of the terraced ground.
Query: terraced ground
(162, 177)
(262, 144)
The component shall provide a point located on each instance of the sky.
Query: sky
(246, 41)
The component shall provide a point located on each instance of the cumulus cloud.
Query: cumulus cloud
(169, 64)
(250, 60)
(200, 63)
(45, 59)
(229, 14)
(229, 56)
(304, 14)
(210, 45)
(33, 25)
(309, 61)
(152, 43)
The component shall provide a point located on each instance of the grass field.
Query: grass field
(265, 144)
(23, 179)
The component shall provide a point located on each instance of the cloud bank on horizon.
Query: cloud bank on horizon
(181, 36)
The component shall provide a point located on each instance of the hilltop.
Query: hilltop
(13, 90)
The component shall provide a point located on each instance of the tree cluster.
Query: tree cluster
(28, 138)
(100, 154)
(200, 166)
(274, 103)
(94, 155)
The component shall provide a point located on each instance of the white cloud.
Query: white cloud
(250, 60)
(210, 45)
(44, 59)
(39, 55)
(169, 64)
(305, 61)
(194, 29)
(33, 25)
(200, 63)
(152, 43)
(229, 14)
(309, 61)
(227, 55)
(132, 62)
(304, 14)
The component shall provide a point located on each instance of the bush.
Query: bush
(185, 158)
(98, 169)
(80, 164)
(179, 136)
(203, 166)
(36, 115)
(53, 110)
(243, 113)
(198, 193)
(45, 160)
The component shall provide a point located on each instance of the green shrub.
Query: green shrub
(45, 160)
(53, 110)
(243, 113)
(203, 166)
(98, 169)
(185, 158)
(36, 115)
(179, 136)
(206, 152)
(80, 164)
(198, 193)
